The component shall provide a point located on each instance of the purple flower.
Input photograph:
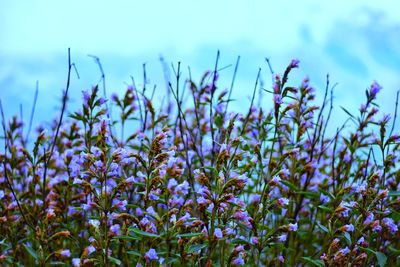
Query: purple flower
(240, 215)
(77, 181)
(202, 201)
(293, 227)
(324, 198)
(369, 219)
(98, 164)
(357, 188)
(74, 168)
(374, 89)
(96, 151)
(204, 191)
(283, 201)
(130, 180)
(39, 202)
(363, 108)
(102, 101)
(348, 228)
(239, 248)
(210, 207)
(243, 179)
(345, 250)
(275, 180)
(255, 198)
(239, 260)
(218, 233)
(153, 195)
(278, 99)
(344, 210)
(114, 97)
(176, 201)
(114, 166)
(86, 97)
(362, 242)
(294, 63)
(204, 231)
(282, 238)
(150, 210)
(144, 221)
(151, 254)
(281, 259)
(139, 212)
(389, 223)
(346, 158)
(185, 217)
(90, 249)
(94, 223)
(66, 253)
(76, 262)
(172, 183)
(254, 240)
(115, 229)
(376, 227)
(171, 162)
(182, 188)
(229, 231)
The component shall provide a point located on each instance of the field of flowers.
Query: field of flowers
(190, 183)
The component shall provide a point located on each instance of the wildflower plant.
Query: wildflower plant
(191, 182)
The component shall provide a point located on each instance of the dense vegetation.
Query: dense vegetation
(191, 182)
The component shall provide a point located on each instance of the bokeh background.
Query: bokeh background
(356, 42)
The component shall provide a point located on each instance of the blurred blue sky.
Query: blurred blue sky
(354, 41)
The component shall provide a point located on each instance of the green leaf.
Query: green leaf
(114, 260)
(135, 253)
(348, 113)
(348, 238)
(126, 237)
(189, 235)
(322, 227)
(239, 241)
(195, 248)
(381, 258)
(325, 208)
(368, 250)
(318, 263)
(170, 260)
(394, 250)
(394, 193)
(290, 185)
(3, 242)
(131, 206)
(31, 252)
(309, 194)
(142, 233)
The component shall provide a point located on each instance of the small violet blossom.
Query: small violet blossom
(76, 262)
(293, 227)
(66, 253)
(239, 260)
(218, 233)
(151, 254)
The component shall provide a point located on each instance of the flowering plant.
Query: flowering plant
(193, 183)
